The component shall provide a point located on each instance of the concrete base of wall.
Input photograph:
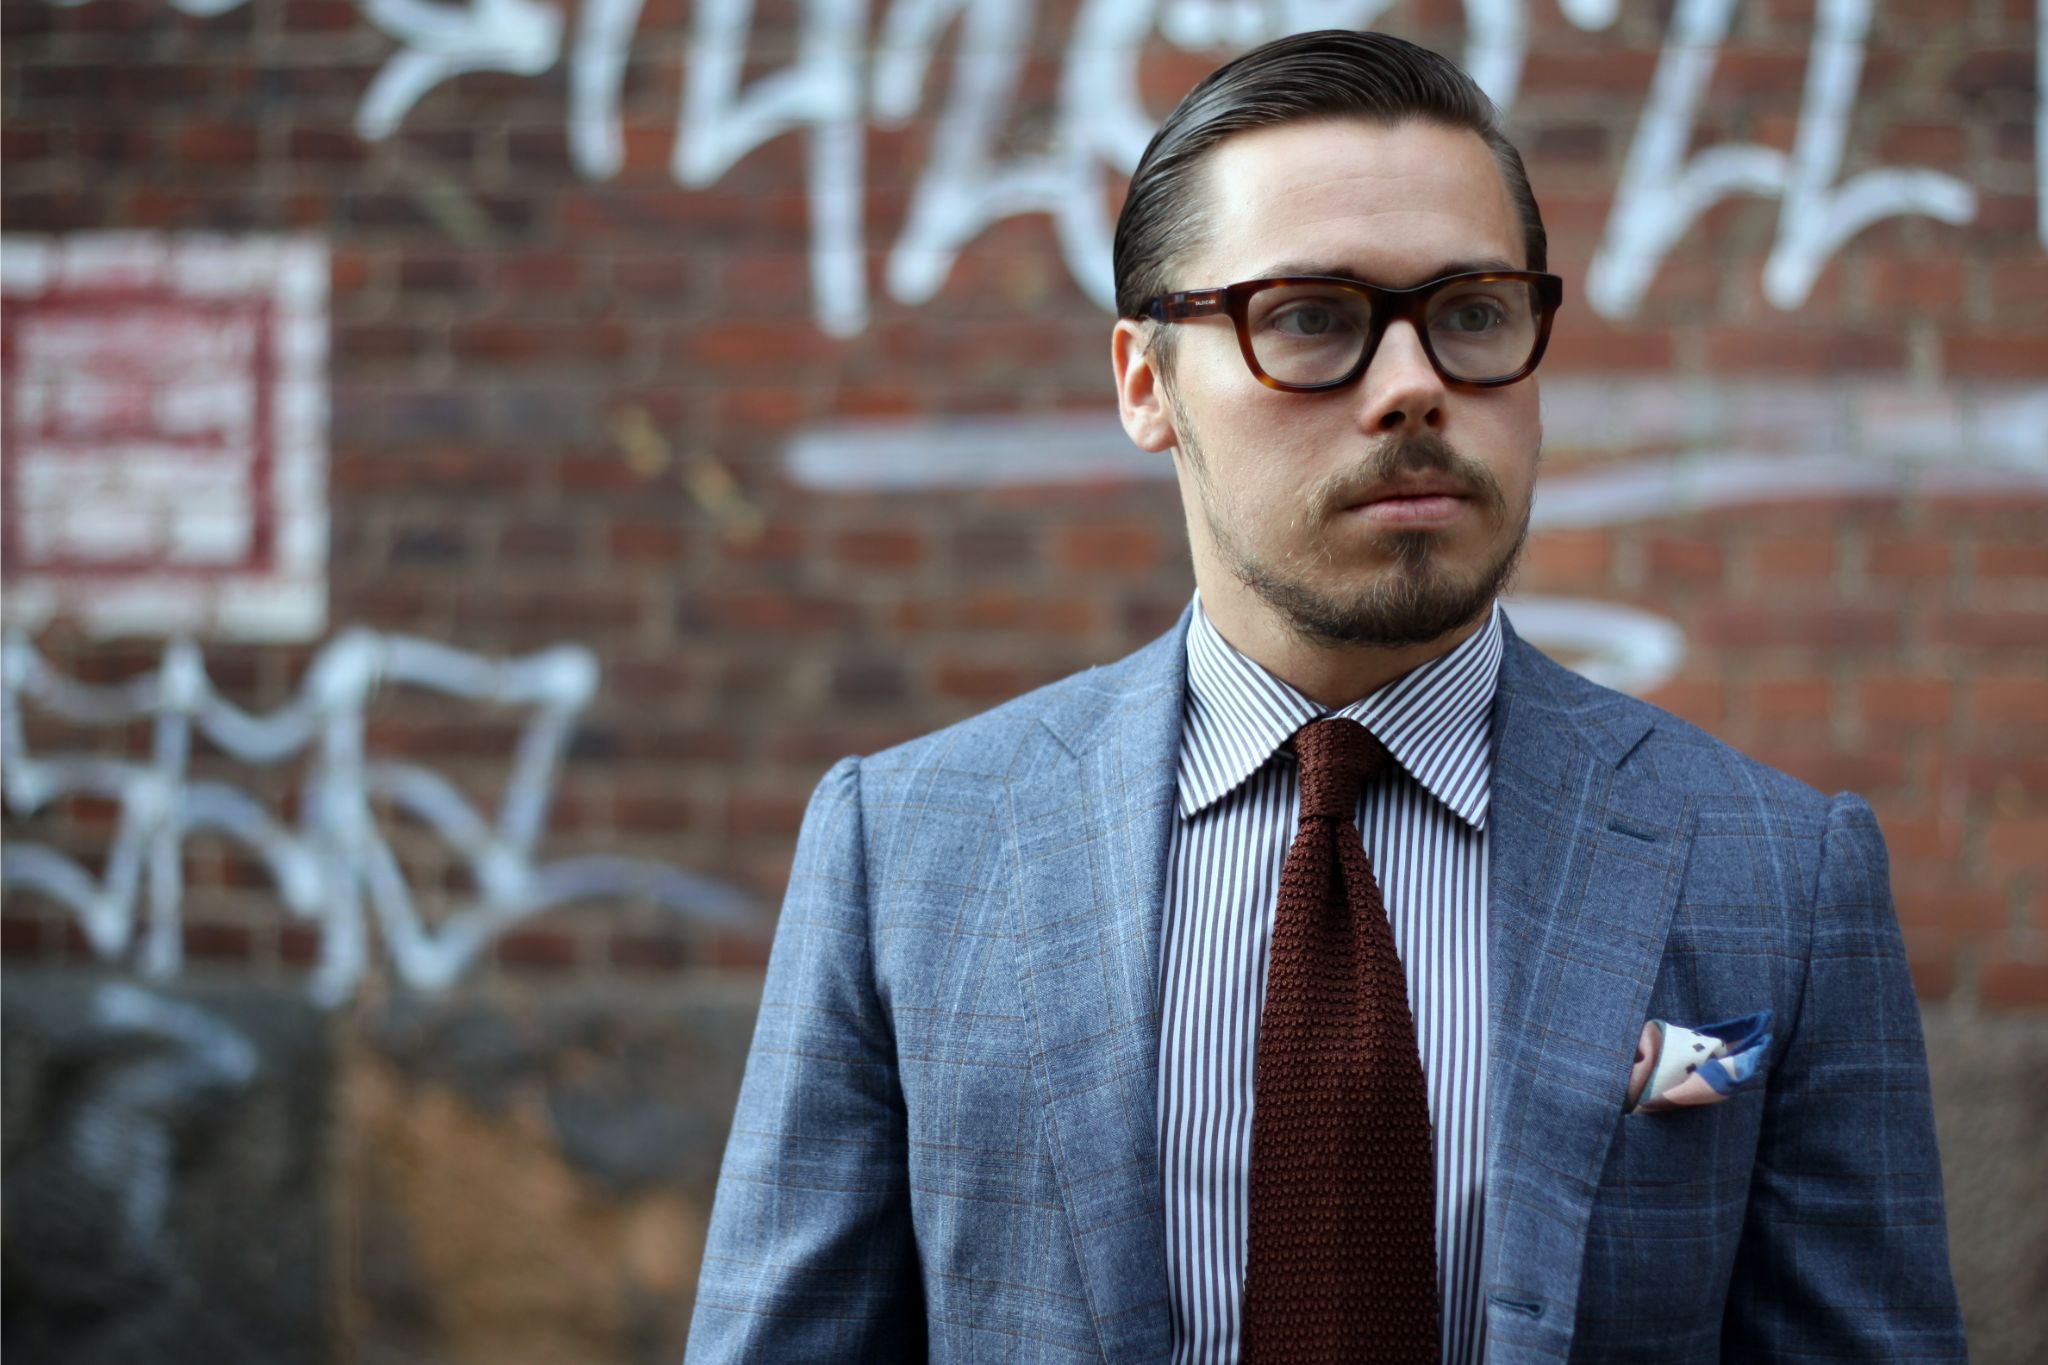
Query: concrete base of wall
(222, 1174)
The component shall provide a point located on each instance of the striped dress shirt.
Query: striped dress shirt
(1424, 828)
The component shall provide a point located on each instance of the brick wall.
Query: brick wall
(561, 402)
(810, 467)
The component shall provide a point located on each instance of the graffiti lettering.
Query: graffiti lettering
(519, 36)
(336, 862)
(1661, 193)
(1099, 126)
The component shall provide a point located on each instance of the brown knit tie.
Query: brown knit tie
(1342, 1258)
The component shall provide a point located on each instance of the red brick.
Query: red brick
(1571, 557)
(539, 272)
(1800, 702)
(2016, 844)
(977, 682)
(298, 946)
(1989, 768)
(759, 814)
(879, 548)
(1864, 773)
(2017, 355)
(772, 405)
(365, 341)
(549, 947)
(1936, 902)
(1929, 144)
(1784, 351)
(2012, 980)
(648, 952)
(875, 400)
(771, 612)
(1820, 628)
(209, 144)
(1701, 701)
(520, 342)
(778, 542)
(2013, 559)
(1919, 558)
(2009, 698)
(211, 940)
(321, 16)
(546, 540)
(21, 936)
(667, 278)
(1120, 547)
(1913, 832)
(603, 472)
(761, 347)
(1805, 558)
(2022, 630)
(1692, 559)
(1580, 343)
(1932, 286)
(1889, 703)
(1934, 973)
(646, 542)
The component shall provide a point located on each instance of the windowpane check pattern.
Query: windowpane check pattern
(1425, 831)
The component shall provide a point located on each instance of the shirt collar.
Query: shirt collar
(1433, 720)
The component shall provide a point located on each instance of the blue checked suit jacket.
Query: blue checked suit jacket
(945, 1145)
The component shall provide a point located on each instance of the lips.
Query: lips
(1403, 490)
(1414, 504)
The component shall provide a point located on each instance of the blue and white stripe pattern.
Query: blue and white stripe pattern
(1425, 831)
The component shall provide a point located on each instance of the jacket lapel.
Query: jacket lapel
(1583, 874)
(1091, 839)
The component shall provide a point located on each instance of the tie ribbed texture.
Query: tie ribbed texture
(1341, 1264)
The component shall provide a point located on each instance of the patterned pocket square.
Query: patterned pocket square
(1679, 1067)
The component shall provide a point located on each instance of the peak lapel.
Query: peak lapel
(1583, 874)
(1091, 841)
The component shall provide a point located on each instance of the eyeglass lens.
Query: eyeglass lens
(1315, 333)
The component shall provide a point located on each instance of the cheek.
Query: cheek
(1512, 437)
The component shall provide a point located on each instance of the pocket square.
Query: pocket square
(1679, 1067)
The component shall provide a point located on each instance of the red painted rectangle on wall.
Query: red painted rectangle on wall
(164, 434)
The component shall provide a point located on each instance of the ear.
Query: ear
(1140, 396)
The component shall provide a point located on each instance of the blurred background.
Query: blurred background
(471, 465)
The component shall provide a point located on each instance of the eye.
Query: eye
(1471, 315)
(1309, 319)
(1305, 319)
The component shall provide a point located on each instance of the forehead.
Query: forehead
(1392, 204)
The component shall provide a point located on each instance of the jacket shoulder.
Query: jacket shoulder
(1647, 739)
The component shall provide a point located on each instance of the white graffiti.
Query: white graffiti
(335, 867)
(1662, 193)
(121, 1133)
(517, 36)
(837, 79)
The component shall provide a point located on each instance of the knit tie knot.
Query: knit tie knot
(1338, 757)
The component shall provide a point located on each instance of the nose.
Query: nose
(1401, 391)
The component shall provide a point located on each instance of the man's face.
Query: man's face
(1388, 512)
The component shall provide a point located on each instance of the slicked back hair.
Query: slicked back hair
(1330, 74)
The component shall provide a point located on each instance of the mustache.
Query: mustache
(1422, 452)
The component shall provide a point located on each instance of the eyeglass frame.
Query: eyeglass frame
(1388, 306)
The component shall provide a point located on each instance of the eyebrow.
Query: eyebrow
(1468, 267)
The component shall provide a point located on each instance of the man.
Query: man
(1335, 978)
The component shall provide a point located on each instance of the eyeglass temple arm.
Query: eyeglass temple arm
(1188, 303)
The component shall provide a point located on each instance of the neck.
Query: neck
(1329, 673)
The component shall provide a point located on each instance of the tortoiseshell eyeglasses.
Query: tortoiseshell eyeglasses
(1304, 333)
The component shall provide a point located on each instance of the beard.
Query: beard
(1413, 600)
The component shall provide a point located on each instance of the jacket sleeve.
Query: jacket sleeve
(810, 1254)
(1844, 1251)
